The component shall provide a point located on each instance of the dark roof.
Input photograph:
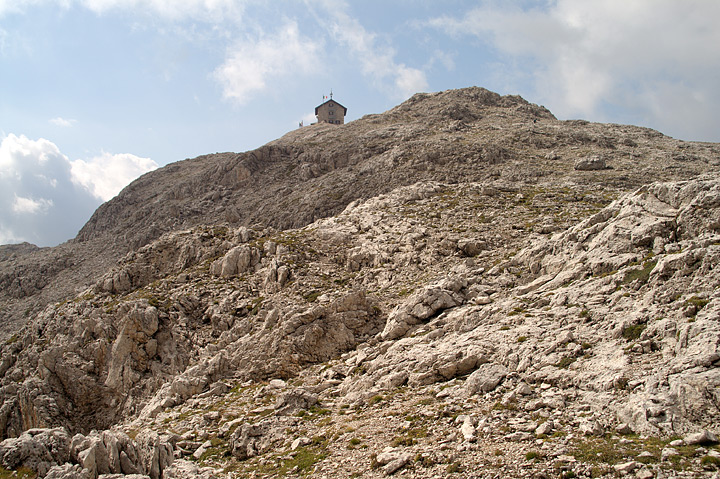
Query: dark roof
(331, 100)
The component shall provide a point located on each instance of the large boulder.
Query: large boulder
(423, 305)
(485, 378)
(590, 163)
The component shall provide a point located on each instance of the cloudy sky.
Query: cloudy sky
(94, 93)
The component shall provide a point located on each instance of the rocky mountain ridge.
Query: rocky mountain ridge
(313, 172)
(511, 311)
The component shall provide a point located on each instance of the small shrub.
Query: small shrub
(698, 302)
(454, 468)
(621, 383)
(530, 455)
(522, 339)
(565, 362)
(403, 441)
(355, 441)
(312, 296)
(633, 332)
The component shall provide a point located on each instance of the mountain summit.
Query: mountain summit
(462, 284)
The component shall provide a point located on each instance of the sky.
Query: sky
(94, 93)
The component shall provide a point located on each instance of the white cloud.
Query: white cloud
(250, 65)
(30, 206)
(45, 198)
(376, 61)
(409, 81)
(588, 56)
(172, 9)
(106, 175)
(60, 121)
(308, 118)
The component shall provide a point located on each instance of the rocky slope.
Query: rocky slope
(510, 312)
(314, 172)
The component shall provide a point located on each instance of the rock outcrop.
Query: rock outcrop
(52, 453)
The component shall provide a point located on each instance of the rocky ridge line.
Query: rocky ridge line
(314, 172)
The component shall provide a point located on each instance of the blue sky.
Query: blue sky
(94, 93)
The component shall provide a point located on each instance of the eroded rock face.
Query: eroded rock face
(423, 305)
(52, 453)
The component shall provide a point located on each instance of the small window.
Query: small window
(332, 112)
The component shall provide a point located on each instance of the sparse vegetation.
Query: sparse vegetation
(20, 473)
(454, 468)
(376, 399)
(410, 437)
(633, 331)
(698, 302)
(640, 274)
(710, 462)
(312, 296)
(565, 361)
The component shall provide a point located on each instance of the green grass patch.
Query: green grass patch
(710, 461)
(20, 473)
(610, 450)
(304, 460)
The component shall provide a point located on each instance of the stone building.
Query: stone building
(331, 112)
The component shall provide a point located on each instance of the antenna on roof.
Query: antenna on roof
(331, 93)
